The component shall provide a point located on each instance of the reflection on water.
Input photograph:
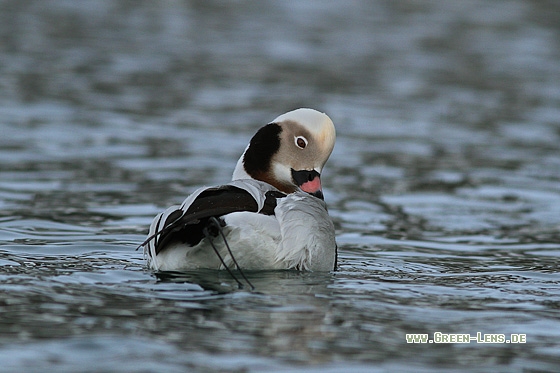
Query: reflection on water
(444, 182)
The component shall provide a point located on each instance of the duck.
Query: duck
(270, 216)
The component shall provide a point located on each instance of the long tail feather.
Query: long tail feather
(213, 223)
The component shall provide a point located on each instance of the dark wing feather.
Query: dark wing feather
(187, 226)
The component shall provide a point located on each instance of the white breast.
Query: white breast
(299, 236)
(308, 235)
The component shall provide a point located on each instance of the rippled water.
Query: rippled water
(444, 183)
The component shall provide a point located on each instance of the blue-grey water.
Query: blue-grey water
(444, 184)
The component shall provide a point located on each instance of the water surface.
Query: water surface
(444, 184)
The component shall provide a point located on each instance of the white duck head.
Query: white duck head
(290, 152)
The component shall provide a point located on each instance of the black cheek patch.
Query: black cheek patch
(262, 147)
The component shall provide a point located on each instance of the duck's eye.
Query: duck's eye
(301, 142)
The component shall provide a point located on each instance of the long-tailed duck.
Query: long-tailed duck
(270, 216)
